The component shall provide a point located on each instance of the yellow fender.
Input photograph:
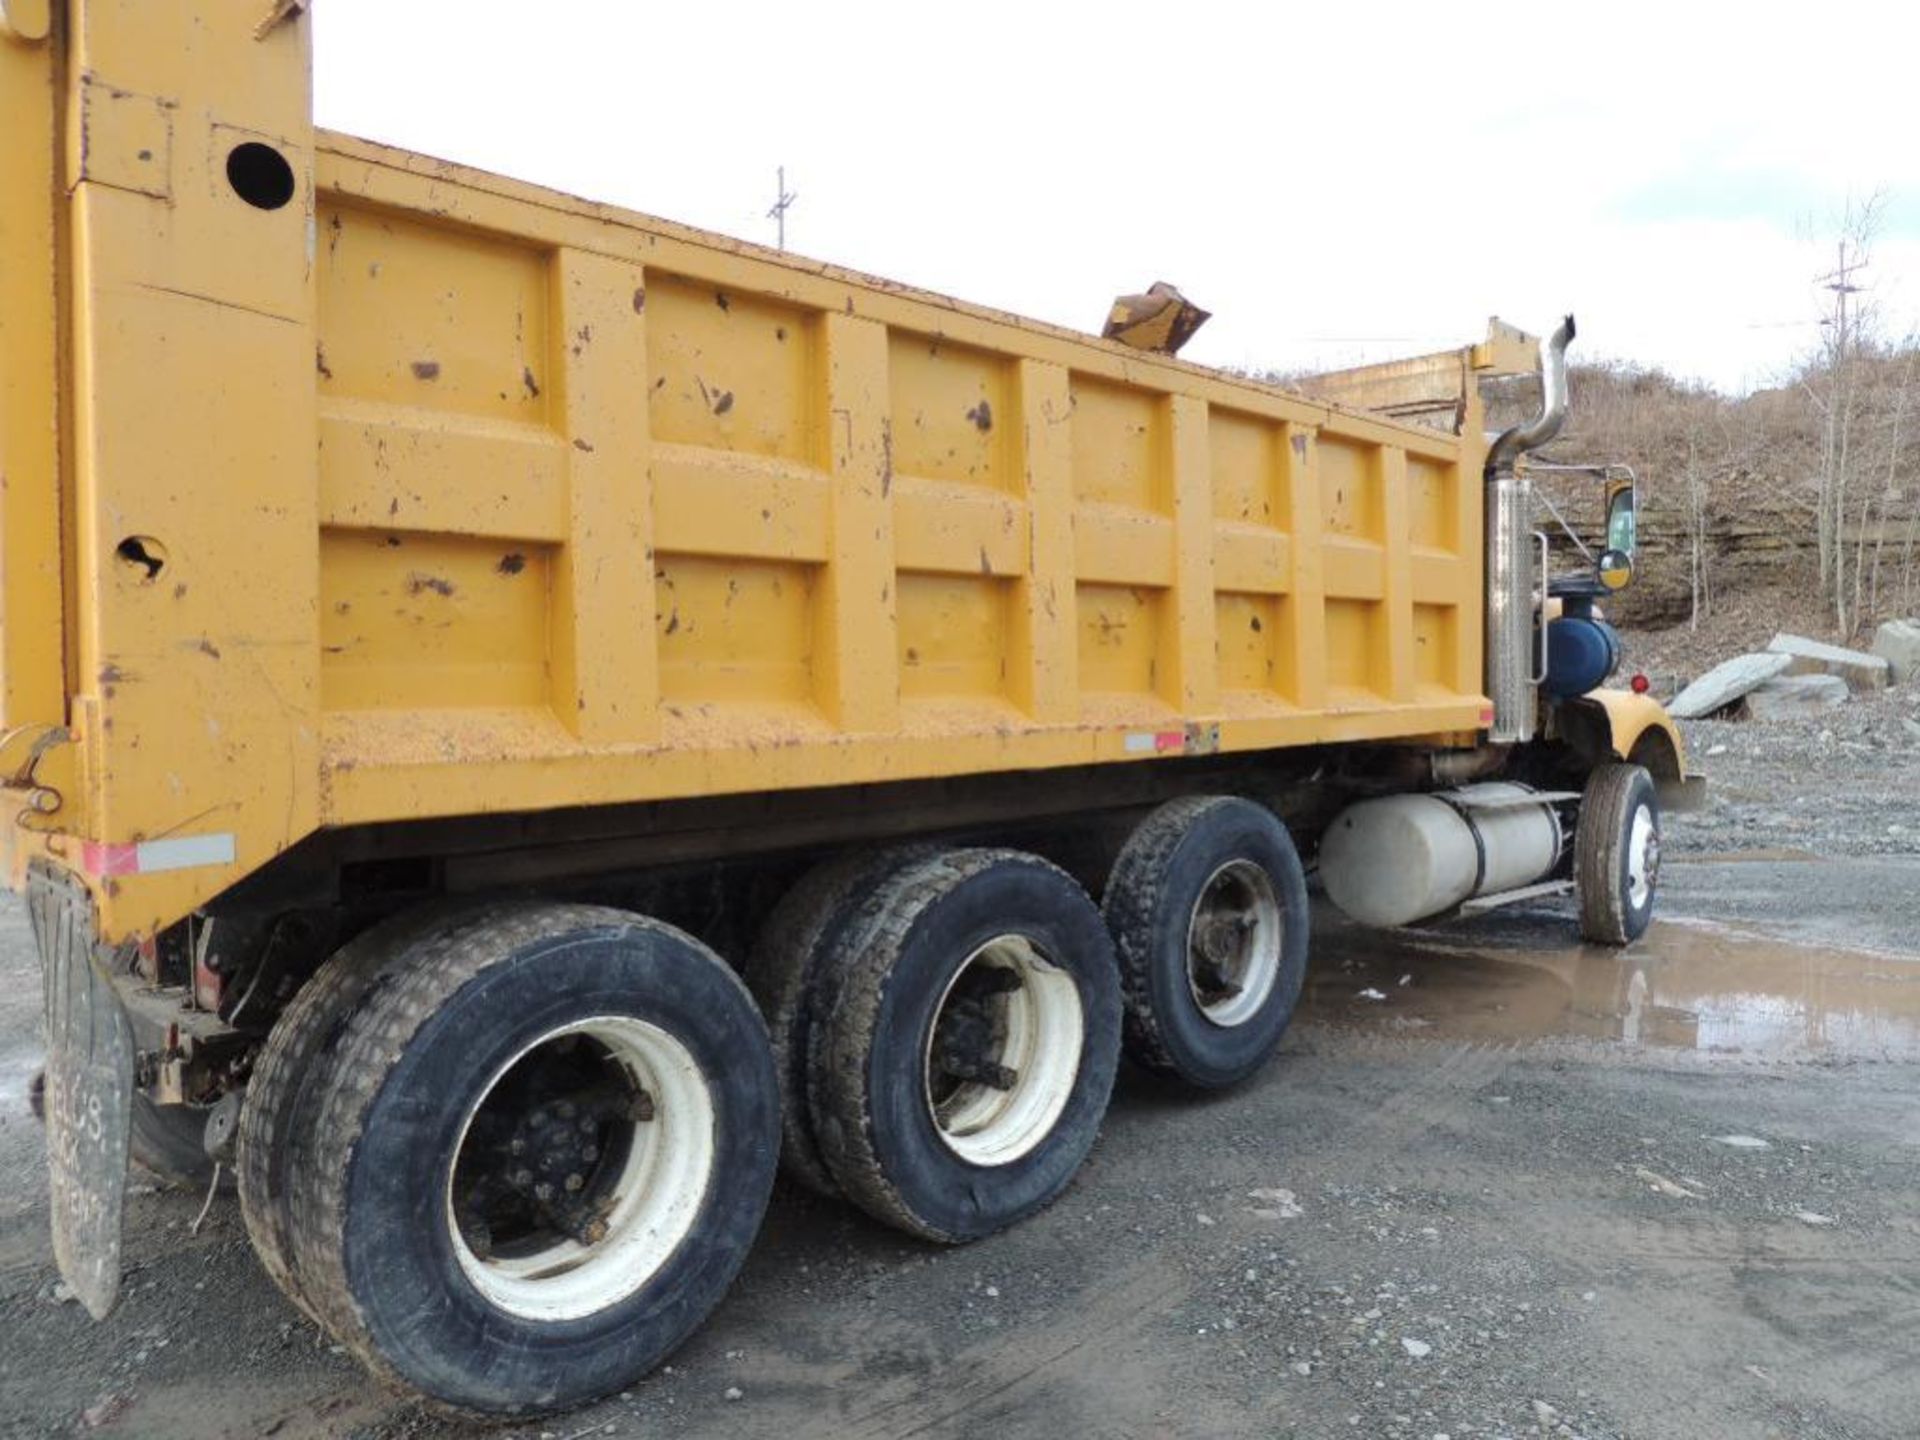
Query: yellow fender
(1639, 730)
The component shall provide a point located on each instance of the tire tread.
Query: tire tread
(855, 979)
(276, 1115)
(410, 983)
(1131, 897)
(855, 983)
(783, 974)
(1599, 842)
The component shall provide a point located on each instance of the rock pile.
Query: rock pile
(1860, 671)
(1727, 684)
(1798, 676)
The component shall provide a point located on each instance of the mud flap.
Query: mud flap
(1686, 793)
(89, 1091)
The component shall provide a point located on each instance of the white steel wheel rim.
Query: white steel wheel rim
(652, 1197)
(1038, 1033)
(1643, 856)
(1234, 935)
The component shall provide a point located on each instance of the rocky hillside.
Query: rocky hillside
(1735, 483)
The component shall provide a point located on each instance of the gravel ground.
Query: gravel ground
(1841, 782)
(1844, 781)
(1534, 1189)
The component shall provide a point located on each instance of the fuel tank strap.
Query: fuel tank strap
(1465, 811)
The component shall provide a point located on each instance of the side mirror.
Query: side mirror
(1616, 566)
(1622, 521)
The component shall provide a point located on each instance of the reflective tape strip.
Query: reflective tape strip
(148, 857)
(1155, 742)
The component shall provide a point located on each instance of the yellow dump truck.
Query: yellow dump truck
(519, 715)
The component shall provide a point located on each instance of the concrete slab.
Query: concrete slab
(1860, 670)
(1726, 683)
(1786, 696)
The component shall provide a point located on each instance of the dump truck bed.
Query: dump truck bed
(612, 509)
(431, 493)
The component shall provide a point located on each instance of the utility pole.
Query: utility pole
(783, 199)
(1840, 282)
(1831, 516)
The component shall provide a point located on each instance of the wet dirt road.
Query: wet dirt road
(1496, 1184)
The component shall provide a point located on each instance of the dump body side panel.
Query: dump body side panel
(889, 536)
(429, 493)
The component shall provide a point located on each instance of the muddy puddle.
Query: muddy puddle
(1686, 985)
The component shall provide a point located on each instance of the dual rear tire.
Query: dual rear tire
(1208, 908)
(967, 1029)
(511, 1159)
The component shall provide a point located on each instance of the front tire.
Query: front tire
(1616, 854)
(545, 1142)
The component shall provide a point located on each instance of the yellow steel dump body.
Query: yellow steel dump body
(431, 493)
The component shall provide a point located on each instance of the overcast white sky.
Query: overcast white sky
(1336, 182)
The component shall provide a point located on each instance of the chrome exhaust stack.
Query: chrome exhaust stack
(1513, 586)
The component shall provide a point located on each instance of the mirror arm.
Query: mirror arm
(1568, 530)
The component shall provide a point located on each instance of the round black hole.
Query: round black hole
(260, 175)
(143, 553)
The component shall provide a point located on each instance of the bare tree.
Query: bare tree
(1696, 515)
(1891, 493)
(1835, 385)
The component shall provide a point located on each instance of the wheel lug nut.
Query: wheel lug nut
(521, 1178)
(590, 1153)
(543, 1192)
(574, 1182)
(517, 1146)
